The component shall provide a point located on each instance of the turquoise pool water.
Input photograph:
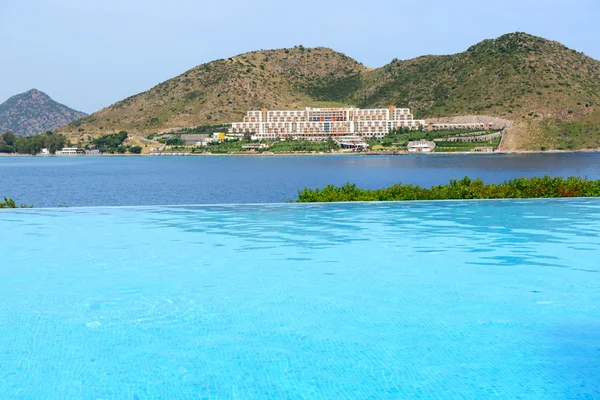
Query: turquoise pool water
(359, 301)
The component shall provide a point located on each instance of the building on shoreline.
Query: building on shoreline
(421, 146)
(70, 151)
(352, 142)
(254, 146)
(323, 123)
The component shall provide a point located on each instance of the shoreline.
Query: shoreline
(298, 154)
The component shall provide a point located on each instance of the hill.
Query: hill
(541, 85)
(34, 112)
(223, 90)
(512, 76)
(549, 91)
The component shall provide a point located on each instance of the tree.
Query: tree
(135, 150)
(9, 138)
(175, 142)
(55, 142)
(110, 143)
(331, 144)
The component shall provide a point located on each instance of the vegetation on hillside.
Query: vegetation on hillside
(9, 143)
(466, 188)
(570, 135)
(114, 144)
(222, 91)
(529, 80)
(516, 76)
(203, 129)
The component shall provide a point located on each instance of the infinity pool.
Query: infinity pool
(359, 301)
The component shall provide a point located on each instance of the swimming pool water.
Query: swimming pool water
(369, 301)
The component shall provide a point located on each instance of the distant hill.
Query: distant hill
(34, 112)
(548, 90)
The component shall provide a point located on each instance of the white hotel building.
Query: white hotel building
(321, 123)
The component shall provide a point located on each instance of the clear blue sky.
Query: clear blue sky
(89, 54)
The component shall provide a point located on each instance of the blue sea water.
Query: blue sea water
(419, 300)
(104, 181)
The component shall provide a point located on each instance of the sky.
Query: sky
(89, 54)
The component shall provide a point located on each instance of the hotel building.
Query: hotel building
(321, 123)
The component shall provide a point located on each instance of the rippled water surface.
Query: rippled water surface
(423, 300)
(103, 181)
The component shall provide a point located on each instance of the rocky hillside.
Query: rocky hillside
(514, 76)
(549, 91)
(222, 91)
(34, 112)
(544, 87)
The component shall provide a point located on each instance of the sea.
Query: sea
(133, 181)
(173, 298)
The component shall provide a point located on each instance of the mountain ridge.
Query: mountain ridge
(34, 112)
(516, 76)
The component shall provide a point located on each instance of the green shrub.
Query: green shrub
(466, 188)
(193, 95)
(110, 143)
(10, 203)
(175, 142)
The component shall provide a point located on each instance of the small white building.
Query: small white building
(254, 146)
(44, 151)
(206, 141)
(70, 151)
(421, 146)
(352, 142)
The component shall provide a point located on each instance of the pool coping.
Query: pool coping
(301, 204)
